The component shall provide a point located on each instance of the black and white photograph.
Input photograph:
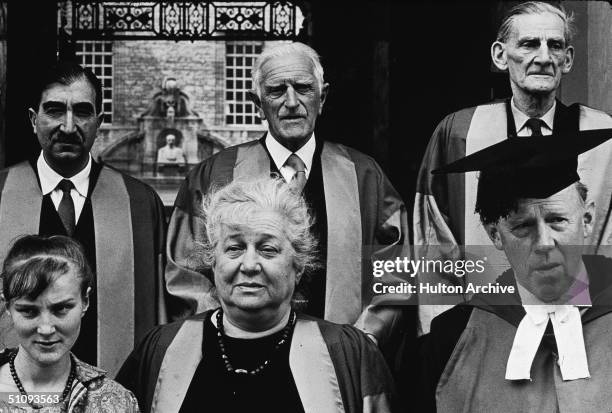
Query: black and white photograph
(305, 206)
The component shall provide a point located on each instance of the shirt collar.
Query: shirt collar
(86, 373)
(280, 154)
(520, 118)
(49, 178)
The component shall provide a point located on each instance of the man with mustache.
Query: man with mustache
(118, 219)
(533, 46)
(355, 207)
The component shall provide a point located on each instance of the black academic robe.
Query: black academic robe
(364, 220)
(444, 208)
(122, 228)
(336, 368)
(440, 356)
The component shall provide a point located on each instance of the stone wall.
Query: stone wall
(139, 68)
(590, 81)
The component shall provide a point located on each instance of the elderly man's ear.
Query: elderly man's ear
(324, 92)
(499, 56)
(588, 218)
(255, 99)
(569, 60)
(494, 235)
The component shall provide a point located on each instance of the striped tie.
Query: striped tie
(298, 181)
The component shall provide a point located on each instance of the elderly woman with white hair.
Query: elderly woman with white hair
(255, 352)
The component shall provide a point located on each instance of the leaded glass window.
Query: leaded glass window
(239, 59)
(98, 56)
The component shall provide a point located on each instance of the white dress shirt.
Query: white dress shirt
(520, 119)
(280, 154)
(49, 179)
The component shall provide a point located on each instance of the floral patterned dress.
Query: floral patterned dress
(92, 392)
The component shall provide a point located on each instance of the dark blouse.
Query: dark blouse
(214, 389)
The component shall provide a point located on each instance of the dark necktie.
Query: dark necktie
(299, 178)
(535, 125)
(66, 206)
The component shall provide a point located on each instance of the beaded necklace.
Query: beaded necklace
(22, 390)
(228, 365)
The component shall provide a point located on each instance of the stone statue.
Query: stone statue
(170, 101)
(171, 154)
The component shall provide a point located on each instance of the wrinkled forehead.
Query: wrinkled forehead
(566, 201)
(295, 68)
(537, 25)
(79, 91)
(252, 222)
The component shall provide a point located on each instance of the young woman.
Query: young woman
(45, 287)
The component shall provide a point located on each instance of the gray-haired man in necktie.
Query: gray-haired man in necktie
(534, 46)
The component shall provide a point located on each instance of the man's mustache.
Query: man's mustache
(67, 138)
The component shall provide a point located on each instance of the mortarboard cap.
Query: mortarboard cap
(525, 167)
(536, 167)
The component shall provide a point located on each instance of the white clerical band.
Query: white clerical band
(567, 327)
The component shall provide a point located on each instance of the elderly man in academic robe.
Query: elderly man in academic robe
(544, 344)
(118, 219)
(534, 47)
(358, 214)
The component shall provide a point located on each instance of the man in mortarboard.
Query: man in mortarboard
(533, 46)
(542, 345)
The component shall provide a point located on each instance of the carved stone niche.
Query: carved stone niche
(169, 113)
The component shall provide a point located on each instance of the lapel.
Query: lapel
(567, 118)
(510, 124)
(506, 306)
(114, 241)
(600, 286)
(343, 295)
(252, 161)
(21, 205)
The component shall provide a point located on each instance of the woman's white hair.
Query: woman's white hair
(287, 49)
(237, 202)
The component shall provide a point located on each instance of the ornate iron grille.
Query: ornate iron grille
(181, 20)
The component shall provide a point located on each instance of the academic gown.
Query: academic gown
(444, 209)
(126, 248)
(365, 216)
(463, 358)
(336, 368)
